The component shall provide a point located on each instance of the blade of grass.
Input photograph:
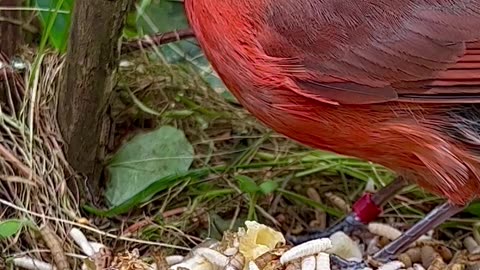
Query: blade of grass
(160, 185)
(251, 207)
(309, 202)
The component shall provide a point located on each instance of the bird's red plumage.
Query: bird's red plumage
(396, 82)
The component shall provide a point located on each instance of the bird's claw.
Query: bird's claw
(314, 256)
(347, 225)
(342, 264)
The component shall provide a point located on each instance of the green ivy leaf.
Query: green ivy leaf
(146, 159)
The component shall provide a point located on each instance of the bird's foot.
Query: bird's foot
(342, 264)
(314, 255)
(365, 210)
(319, 254)
(338, 263)
(347, 225)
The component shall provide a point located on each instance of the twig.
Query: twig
(174, 212)
(24, 170)
(136, 227)
(277, 199)
(6, 70)
(156, 40)
(267, 215)
(48, 251)
(235, 216)
(91, 229)
(17, 179)
(30, 28)
(53, 243)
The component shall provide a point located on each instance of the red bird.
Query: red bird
(396, 82)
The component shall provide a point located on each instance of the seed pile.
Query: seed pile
(259, 247)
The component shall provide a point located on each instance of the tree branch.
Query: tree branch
(157, 40)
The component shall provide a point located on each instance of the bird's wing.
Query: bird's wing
(369, 51)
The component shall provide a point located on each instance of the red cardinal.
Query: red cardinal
(396, 82)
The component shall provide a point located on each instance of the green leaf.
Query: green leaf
(9, 228)
(58, 34)
(246, 184)
(158, 186)
(146, 159)
(474, 209)
(268, 187)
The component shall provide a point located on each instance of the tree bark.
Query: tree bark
(11, 39)
(91, 63)
(10, 28)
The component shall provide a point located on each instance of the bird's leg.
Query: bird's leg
(365, 210)
(347, 265)
(437, 216)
